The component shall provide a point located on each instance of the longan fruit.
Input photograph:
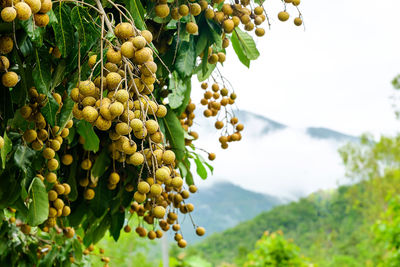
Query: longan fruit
(209, 13)
(168, 157)
(162, 11)
(182, 243)
(4, 63)
(219, 125)
(24, 12)
(8, 14)
(175, 14)
(46, 6)
(113, 55)
(161, 111)
(114, 178)
(139, 197)
(177, 182)
(103, 124)
(69, 232)
(48, 153)
(29, 135)
(213, 59)
(152, 235)
(52, 195)
(162, 174)
(200, 231)
(127, 229)
(245, 19)
(113, 80)
(155, 189)
(90, 114)
(89, 194)
(159, 212)
(183, 10)
(86, 164)
(41, 20)
(296, 2)
(142, 55)
(9, 79)
(51, 177)
(260, 32)
(87, 88)
(283, 16)
(141, 231)
(67, 159)
(58, 204)
(211, 156)
(219, 16)
(151, 126)
(225, 43)
(178, 237)
(193, 188)
(148, 68)
(59, 189)
(298, 21)
(25, 228)
(136, 159)
(249, 26)
(139, 42)
(203, 4)
(147, 35)
(128, 49)
(67, 188)
(52, 164)
(35, 5)
(116, 109)
(125, 30)
(66, 211)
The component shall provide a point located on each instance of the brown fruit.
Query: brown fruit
(211, 156)
(6, 44)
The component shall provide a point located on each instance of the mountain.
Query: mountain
(259, 162)
(327, 226)
(224, 205)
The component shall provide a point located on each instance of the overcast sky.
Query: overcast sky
(336, 74)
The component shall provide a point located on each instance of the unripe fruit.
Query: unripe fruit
(283, 16)
(51, 177)
(89, 194)
(24, 12)
(8, 14)
(9, 79)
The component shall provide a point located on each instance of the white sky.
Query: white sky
(336, 74)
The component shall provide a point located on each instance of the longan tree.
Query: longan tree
(96, 116)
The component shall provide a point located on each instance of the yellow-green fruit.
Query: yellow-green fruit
(175, 14)
(67, 159)
(9, 79)
(183, 10)
(143, 187)
(29, 135)
(113, 79)
(139, 197)
(260, 32)
(298, 21)
(90, 114)
(89, 194)
(59, 188)
(221, 57)
(283, 16)
(152, 126)
(192, 28)
(136, 125)
(125, 30)
(46, 6)
(161, 111)
(136, 159)
(51, 177)
(4, 63)
(258, 10)
(122, 96)
(149, 68)
(147, 35)
(66, 211)
(113, 178)
(116, 109)
(87, 88)
(213, 59)
(103, 124)
(26, 111)
(52, 212)
(48, 153)
(162, 174)
(67, 188)
(52, 164)
(249, 26)
(1, 142)
(129, 147)
(209, 13)
(155, 190)
(139, 42)
(86, 164)
(41, 20)
(128, 49)
(37, 145)
(24, 12)
(52, 195)
(35, 5)
(58, 204)
(123, 128)
(200, 231)
(113, 55)
(92, 61)
(8, 14)
(159, 212)
(69, 232)
(195, 9)
(228, 25)
(55, 144)
(168, 157)
(177, 182)
(141, 134)
(162, 11)
(157, 137)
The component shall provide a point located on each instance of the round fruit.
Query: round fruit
(200, 231)
(52, 195)
(29, 135)
(192, 28)
(128, 49)
(116, 109)
(211, 156)
(183, 10)
(52, 164)
(113, 55)
(143, 187)
(48, 153)
(8, 14)
(35, 5)
(260, 32)
(9, 79)
(89, 194)
(139, 42)
(113, 178)
(4, 63)
(41, 20)
(228, 25)
(86, 164)
(90, 114)
(136, 159)
(113, 80)
(162, 11)
(24, 12)
(67, 159)
(168, 157)
(159, 212)
(69, 232)
(46, 6)
(51, 177)
(125, 30)
(298, 21)
(283, 16)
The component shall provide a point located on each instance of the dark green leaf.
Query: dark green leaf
(201, 43)
(73, 195)
(77, 249)
(101, 201)
(41, 72)
(117, 222)
(175, 134)
(186, 59)
(20, 91)
(66, 113)
(201, 170)
(87, 30)
(58, 74)
(63, 30)
(239, 51)
(49, 111)
(52, 17)
(23, 157)
(101, 164)
(85, 129)
(10, 188)
(34, 32)
(180, 90)
(244, 46)
(97, 231)
(5, 150)
(39, 207)
(137, 11)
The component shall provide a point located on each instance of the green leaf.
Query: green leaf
(65, 113)
(136, 9)
(206, 163)
(5, 150)
(101, 164)
(201, 170)
(101, 201)
(215, 33)
(180, 90)
(85, 129)
(201, 43)
(34, 32)
(63, 30)
(186, 59)
(73, 195)
(58, 74)
(175, 134)
(76, 245)
(239, 51)
(117, 222)
(39, 207)
(49, 111)
(41, 72)
(10, 188)
(97, 231)
(87, 30)
(244, 46)
(23, 157)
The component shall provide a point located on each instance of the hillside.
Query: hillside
(217, 209)
(326, 226)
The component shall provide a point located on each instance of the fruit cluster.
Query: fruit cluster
(23, 10)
